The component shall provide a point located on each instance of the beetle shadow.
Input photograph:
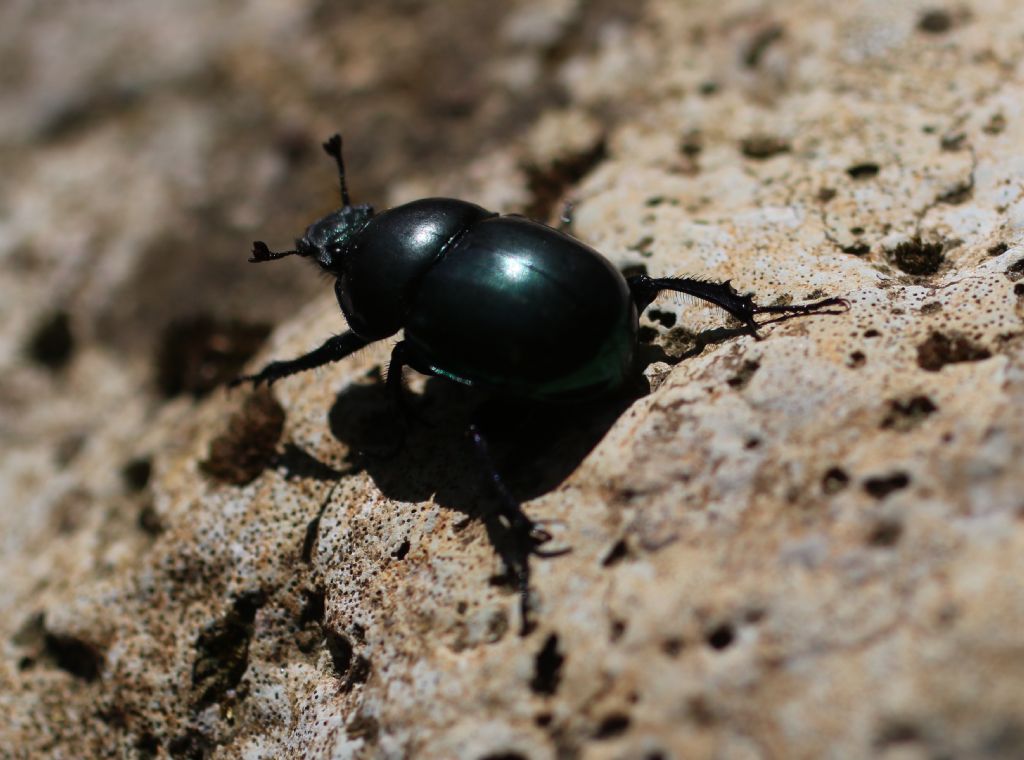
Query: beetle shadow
(534, 447)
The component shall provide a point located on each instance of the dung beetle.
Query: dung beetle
(500, 303)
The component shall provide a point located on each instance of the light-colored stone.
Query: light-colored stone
(805, 546)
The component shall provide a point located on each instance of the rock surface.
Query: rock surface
(804, 546)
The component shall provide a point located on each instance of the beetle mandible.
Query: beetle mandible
(500, 303)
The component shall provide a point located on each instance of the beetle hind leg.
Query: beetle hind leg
(516, 537)
(722, 294)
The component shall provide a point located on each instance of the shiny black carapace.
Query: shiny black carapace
(500, 303)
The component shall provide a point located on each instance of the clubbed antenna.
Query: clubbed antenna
(333, 148)
(261, 253)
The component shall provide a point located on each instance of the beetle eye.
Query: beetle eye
(335, 258)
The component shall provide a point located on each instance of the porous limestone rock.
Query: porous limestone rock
(808, 545)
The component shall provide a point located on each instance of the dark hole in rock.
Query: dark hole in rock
(192, 745)
(136, 473)
(547, 668)
(691, 146)
(941, 349)
(906, 415)
(612, 726)
(856, 249)
(664, 318)
(935, 21)
(617, 630)
(52, 344)
(958, 193)
(149, 521)
(643, 246)
(645, 334)
(72, 655)
(340, 649)
(953, 141)
(402, 551)
(147, 745)
(249, 444)
(761, 147)
(883, 485)
(865, 170)
(760, 43)
(917, 258)
(708, 88)
(857, 360)
(618, 552)
(359, 672)
(932, 307)
(995, 125)
(872, 333)
(672, 647)
(363, 726)
(222, 650)
(1018, 289)
(826, 194)
(701, 710)
(998, 249)
(745, 373)
(754, 615)
(885, 534)
(834, 480)
(497, 626)
(721, 637)
(543, 719)
(197, 355)
(1015, 271)
(314, 608)
(547, 184)
(896, 732)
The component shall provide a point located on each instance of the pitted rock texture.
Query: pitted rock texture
(807, 545)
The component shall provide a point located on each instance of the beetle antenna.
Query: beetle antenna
(333, 149)
(261, 253)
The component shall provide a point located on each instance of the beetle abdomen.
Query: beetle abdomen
(523, 309)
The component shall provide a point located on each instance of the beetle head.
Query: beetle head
(325, 239)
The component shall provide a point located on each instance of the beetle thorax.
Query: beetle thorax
(326, 238)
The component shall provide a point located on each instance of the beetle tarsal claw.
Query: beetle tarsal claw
(261, 253)
(539, 536)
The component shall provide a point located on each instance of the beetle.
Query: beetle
(500, 303)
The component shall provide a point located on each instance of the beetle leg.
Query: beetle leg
(515, 535)
(724, 296)
(333, 349)
(395, 383)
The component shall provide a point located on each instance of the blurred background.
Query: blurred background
(830, 546)
(144, 146)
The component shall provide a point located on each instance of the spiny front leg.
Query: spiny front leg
(333, 349)
(645, 289)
